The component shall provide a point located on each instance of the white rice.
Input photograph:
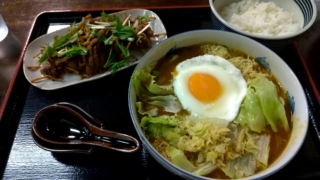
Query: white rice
(262, 18)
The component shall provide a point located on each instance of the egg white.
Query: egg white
(230, 78)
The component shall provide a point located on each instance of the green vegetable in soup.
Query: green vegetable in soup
(263, 144)
(250, 113)
(205, 169)
(149, 112)
(145, 77)
(262, 106)
(162, 126)
(240, 167)
(166, 120)
(154, 94)
(178, 158)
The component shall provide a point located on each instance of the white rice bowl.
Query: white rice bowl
(304, 14)
(262, 18)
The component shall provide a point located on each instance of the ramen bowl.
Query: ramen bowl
(279, 68)
(303, 12)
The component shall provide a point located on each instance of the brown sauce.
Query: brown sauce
(166, 65)
(279, 140)
(218, 174)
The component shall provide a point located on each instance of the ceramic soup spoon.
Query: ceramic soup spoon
(67, 124)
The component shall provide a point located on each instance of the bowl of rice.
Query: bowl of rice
(270, 22)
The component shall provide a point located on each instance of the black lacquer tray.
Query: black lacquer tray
(106, 99)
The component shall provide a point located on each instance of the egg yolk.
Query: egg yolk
(204, 87)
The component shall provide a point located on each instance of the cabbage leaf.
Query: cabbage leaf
(263, 144)
(243, 140)
(240, 167)
(144, 75)
(270, 104)
(150, 112)
(250, 114)
(179, 159)
(149, 92)
(167, 120)
(205, 169)
(170, 103)
(162, 126)
(262, 106)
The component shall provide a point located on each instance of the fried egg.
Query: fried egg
(209, 86)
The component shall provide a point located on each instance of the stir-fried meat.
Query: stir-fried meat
(94, 45)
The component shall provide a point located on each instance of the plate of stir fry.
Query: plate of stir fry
(92, 48)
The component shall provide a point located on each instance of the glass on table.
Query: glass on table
(3, 29)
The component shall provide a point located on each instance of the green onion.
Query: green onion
(104, 16)
(52, 52)
(73, 51)
(124, 50)
(72, 39)
(110, 59)
(124, 32)
(144, 17)
(101, 37)
(117, 65)
(60, 40)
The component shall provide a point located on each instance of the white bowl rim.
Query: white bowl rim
(150, 147)
(292, 35)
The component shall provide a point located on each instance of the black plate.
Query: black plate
(106, 99)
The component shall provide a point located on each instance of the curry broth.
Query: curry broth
(279, 140)
(166, 65)
(164, 75)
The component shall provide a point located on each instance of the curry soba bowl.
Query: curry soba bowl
(210, 104)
